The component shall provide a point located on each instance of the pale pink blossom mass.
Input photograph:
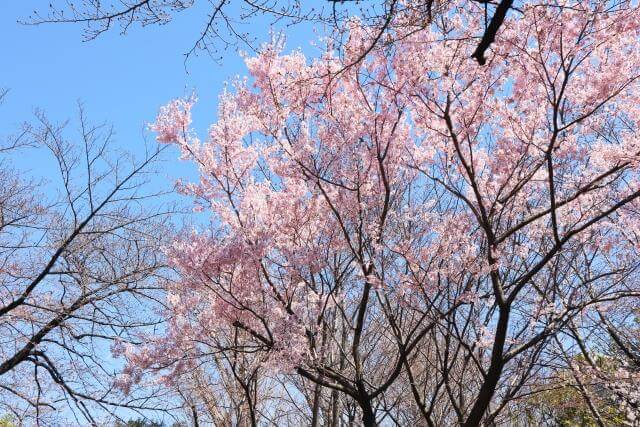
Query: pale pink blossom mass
(407, 189)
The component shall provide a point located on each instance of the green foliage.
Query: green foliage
(140, 422)
(564, 403)
(569, 409)
(7, 421)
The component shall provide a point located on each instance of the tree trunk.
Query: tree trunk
(315, 410)
(493, 375)
(368, 416)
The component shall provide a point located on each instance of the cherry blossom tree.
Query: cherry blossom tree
(418, 237)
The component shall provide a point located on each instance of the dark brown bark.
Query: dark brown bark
(489, 35)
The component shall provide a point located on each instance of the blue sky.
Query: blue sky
(120, 79)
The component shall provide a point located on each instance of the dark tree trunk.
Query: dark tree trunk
(493, 374)
(368, 415)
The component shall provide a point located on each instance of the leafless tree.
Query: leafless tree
(79, 268)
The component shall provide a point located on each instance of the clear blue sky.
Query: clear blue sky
(120, 79)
